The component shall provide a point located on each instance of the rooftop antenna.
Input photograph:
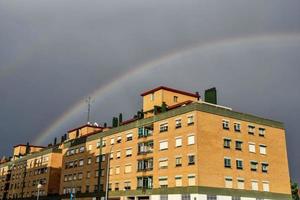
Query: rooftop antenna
(89, 102)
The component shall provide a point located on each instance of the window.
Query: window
(236, 198)
(119, 139)
(264, 167)
(178, 123)
(111, 155)
(103, 158)
(178, 161)
(178, 181)
(178, 142)
(144, 182)
(163, 182)
(129, 137)
(211, 197)
(117, 186)
(238, 145)
(163, 163)
(252, 147)
(87, 188)
(190, 120)
(254, 185)
(145, 131)
(81, 149)
(79, 176)
(145, 164)
(240, 183)
(163, 145)
(191, 159)
(253, 165)
(191, 180)
(98, 145)
(128, 168)
(227, 142)
(112, 141)
(128, 152)
(97, 159)
(111, 171)
(251, 129)
(89, 161)
(239, 164)
(191, 139)
(88, 175)
(118, 170)
(266, 187)
(227, 162)
(237, 127)
(127, 185)
(225, 124)
(185, 197)
(261, 132)
(228, 182)
(164, 197)
(263, 149)
(163, 127)
(81, 162)
(175, 99)
(103, 143)
(145, 147)
(118, 154)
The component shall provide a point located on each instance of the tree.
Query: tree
(55, 141)
(115, 122)
(164, 107)
(120, 118)
(295, 193)
(27, 148)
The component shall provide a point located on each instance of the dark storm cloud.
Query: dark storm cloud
(54, 53)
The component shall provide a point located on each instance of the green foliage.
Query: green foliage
(211, 95)
(27, 148)
(115, 122)
(164, 107)
(156, 109)
(295, 193)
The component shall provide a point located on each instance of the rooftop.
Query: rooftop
(196, 95)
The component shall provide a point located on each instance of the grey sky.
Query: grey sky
(55, 53)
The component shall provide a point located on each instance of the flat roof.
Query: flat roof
(23, 145)
(172, 90)
(83, 126)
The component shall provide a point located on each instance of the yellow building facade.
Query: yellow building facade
(182, 148)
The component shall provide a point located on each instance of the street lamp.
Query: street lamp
(39, 186)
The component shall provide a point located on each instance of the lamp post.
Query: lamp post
(39, 186)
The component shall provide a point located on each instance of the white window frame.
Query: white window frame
(228, 182)
(163, 147)
(263, 149)
(178, 141)
(250, 145)
(191, 142)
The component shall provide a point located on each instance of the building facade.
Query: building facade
(179, 148)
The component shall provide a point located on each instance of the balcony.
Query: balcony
(145, 147)
(145, 131)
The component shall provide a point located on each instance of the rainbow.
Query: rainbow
(121, 80)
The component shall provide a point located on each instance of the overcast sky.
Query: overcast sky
(53, 54)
